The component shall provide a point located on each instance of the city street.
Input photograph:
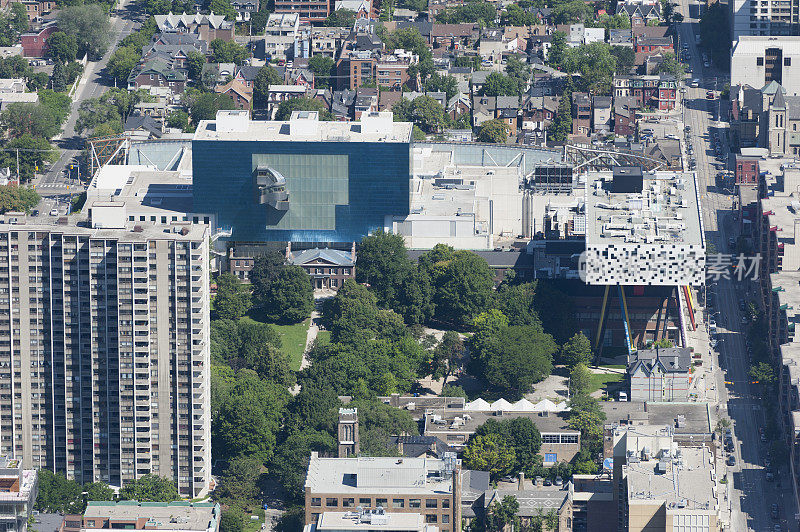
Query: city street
(92, 85)
(751, 495)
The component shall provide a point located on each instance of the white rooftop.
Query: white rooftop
(353, 521)
(113, 177)
(304, 126)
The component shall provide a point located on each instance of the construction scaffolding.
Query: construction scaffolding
(108, 150)
(585, 158)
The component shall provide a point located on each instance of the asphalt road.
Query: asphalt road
(92, 85)
(751, 496)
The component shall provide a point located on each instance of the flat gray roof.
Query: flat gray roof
(170, 516)
(666, 211)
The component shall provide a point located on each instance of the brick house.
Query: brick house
(581, 114)
(660, 374)
(157, 73)
(242, 95)
(659, 92)
(746, 171)
(328, 268)
(34, 44)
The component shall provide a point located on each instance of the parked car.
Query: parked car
(731, 461)
(709, 94)
(774, 511)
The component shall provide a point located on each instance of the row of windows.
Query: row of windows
(350, 502)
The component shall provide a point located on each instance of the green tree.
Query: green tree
(97, 491)
(222, 7)
(489, 453)
(302, 104)
(473, 11)
(150, 488)
(290, 298)
(463, 287)
(595, 64)
(34, 151)
(266, 76)
(265, 270)
(378, 422)
(18, 18)
(451, 390)
(341, 18)
(384, 265)
(232, 300)
(517, 357)
(121, 63)
(580, 379)
(448, 356)
(498, 84)
(251, 345)
(558, 49)
(62, 47)
(206, 105)
(178, 119)
(503, 515)
(670, 65)
(586, 416)
(290, 464)
(576, 351)
(57, 494)
(323, 68)
(517, 302)
(232, 520)
(58, 81)
(194, 64)
(17, 199)
(762, 373)
(157, 7)
(89, 25)
(518, 71)
(57, 103)
(514, 15)
(521, 434)
(240, 480)
(571, 12)
(29, 119)
(494, 131)
(667, 11)
(227, 51)
(486, 326)
(625, 57)
(428, 114)
(442, 83)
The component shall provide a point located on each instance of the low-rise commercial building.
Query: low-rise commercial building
(180, 516)
(18, 489)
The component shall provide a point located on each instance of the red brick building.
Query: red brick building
(746, 171)
(658, 92)
(34, 44)
(581, 114)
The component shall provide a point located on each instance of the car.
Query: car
(777, 528)
(763, 439)
(547, 482)
(558, 481)
(709, 95)
(53, 212)
(774, 511)
(712, 324)
(35, 212)
(648, 131)
(694, 83)
(731, 461)
(705, 64)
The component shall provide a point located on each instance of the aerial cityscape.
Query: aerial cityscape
(399, 265)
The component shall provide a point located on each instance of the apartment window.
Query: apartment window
(331, 502)
(445, 503)
(431, 503)
(365, 502)
(787, 61)
(382, 502)
(415, 503)
(431, 518)
(348, 502)
(398, 503)
(316, 501)
(759, 61)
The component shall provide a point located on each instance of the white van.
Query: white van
(623, 396)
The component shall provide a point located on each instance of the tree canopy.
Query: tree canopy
(89, 25)
(150, 488)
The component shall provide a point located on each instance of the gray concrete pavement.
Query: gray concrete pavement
(92, 85)
(751, 496)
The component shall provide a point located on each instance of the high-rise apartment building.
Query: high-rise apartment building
(104, 350)
(764, 17)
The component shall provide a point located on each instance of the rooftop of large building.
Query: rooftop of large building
(533, 499)
(370, 520)
(150, 190)
(160, 515)
(626, 206)
(78, 225)
(303, 126)
(379, 475)
(659, 471)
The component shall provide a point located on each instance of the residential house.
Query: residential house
(459, 105)
(174, 47)
(483, 109)
(745, 170)
(280, 35)
(328, 268)
(309, 10)
(34, 43)
(646, 43)
(625, 108)
(342, 104)
(246, 75)
(422, 25)
(300, 76)
(645, 12)
(245, 9)
(328, 41)
(206, 27)
(491, 45)
(658, 92)
(143, 127)
(280, 93)
(660, 374)
(478, 80)
(455, 37)
(362, 8)
(387, 99)
(366, 101)
(620, 37)
(241, 94)
(601, 114)
(581, 114)
(668, 151)
(36, 8)
(538, 112)
(507, 111)
(157, 72)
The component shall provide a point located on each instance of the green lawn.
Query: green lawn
(324, 337)
(603, 380)
(251, 525)
(294, 341)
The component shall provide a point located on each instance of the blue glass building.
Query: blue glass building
(301, 180)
